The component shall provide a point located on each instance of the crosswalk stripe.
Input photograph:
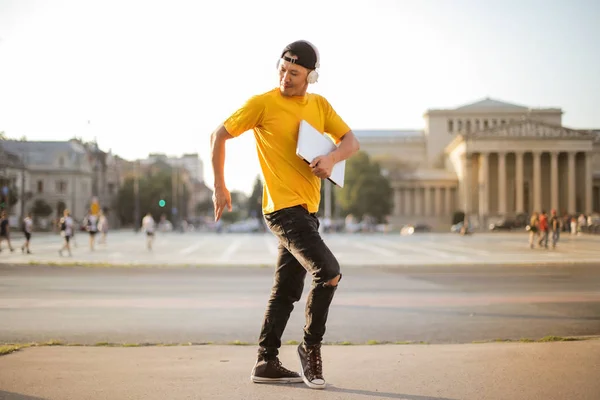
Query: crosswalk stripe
(231, 249)
(190, 249)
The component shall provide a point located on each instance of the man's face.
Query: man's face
(292, 78)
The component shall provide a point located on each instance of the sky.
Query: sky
(154, 76)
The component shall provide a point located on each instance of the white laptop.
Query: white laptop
(312, 144)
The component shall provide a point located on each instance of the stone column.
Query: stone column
(466, 183)
(427, 211)
(537, 182)
(483, 180)
(418, 202)
(571, 181)
(502, 183)
(397, 202)
(448, 200)
(438, 202)
(519, 182)
(589, 184)
(554, 181)
(407, 201)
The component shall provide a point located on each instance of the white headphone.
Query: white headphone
(313, 75)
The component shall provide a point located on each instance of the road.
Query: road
(126, 248)
(436, 304)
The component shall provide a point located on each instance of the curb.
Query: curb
(461, 264)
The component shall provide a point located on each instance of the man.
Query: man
(91, 225)
(291, 196)
(555, 226)
(148, 226)
(66, 231)
(543, 226)
(27, 229)
(5, 230)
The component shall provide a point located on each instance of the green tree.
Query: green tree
(254, 204)
(366, 191)
(205, 207)
(41, 208)
(154, 186)
(334, 206)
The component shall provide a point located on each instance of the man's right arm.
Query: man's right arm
(217, 148)
(221, 196)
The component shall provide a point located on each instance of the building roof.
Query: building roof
(43, 152)
(489, 103)
(388, 134)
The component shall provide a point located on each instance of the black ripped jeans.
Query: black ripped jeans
(301, 250)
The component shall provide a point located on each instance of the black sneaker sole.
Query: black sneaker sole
(304, 378)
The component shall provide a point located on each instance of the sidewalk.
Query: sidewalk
(490, 371)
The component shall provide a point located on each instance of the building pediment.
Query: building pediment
(529, 129)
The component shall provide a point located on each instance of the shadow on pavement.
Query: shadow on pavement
(17, 396)
(373, 395)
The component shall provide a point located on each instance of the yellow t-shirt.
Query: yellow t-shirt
(275, 120)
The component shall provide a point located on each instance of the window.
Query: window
(476, 125)
(493, 122)
(40, 186)
(485, 124)
(111, 188)
(450, 126)
(468, 126)
(61, 162)
(502, 122)
(61, 186)
(459, 127)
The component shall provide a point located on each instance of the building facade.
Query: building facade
(491, 160)
(59, 173)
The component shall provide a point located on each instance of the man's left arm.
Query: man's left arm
(348, 143)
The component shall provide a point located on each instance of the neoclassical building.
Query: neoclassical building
(490, 159)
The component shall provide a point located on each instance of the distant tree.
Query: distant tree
(366, 191)
(154, 186)
(334, 206)
(41, 208)
(205, 207)
(3, 135)
(254, 205)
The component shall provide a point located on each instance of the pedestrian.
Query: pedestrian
(555, 227)
(66, 231)
(291, 197)
(149, 226)
(5, 230)
(543, 228)
(27, 229)
(533, 229)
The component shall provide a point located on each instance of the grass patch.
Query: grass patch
(558, 339)
(8, 348)
(410, 342)
(239, 343)
(11, 348)
(545, 339)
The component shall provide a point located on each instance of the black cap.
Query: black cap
(307, 56)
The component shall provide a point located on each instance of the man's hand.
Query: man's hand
(322, 166)
(221, 198)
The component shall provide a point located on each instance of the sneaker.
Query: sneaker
(311, 366)
(272, 371)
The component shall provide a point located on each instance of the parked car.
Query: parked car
(412, 229)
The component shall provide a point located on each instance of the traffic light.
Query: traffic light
(161, 203)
